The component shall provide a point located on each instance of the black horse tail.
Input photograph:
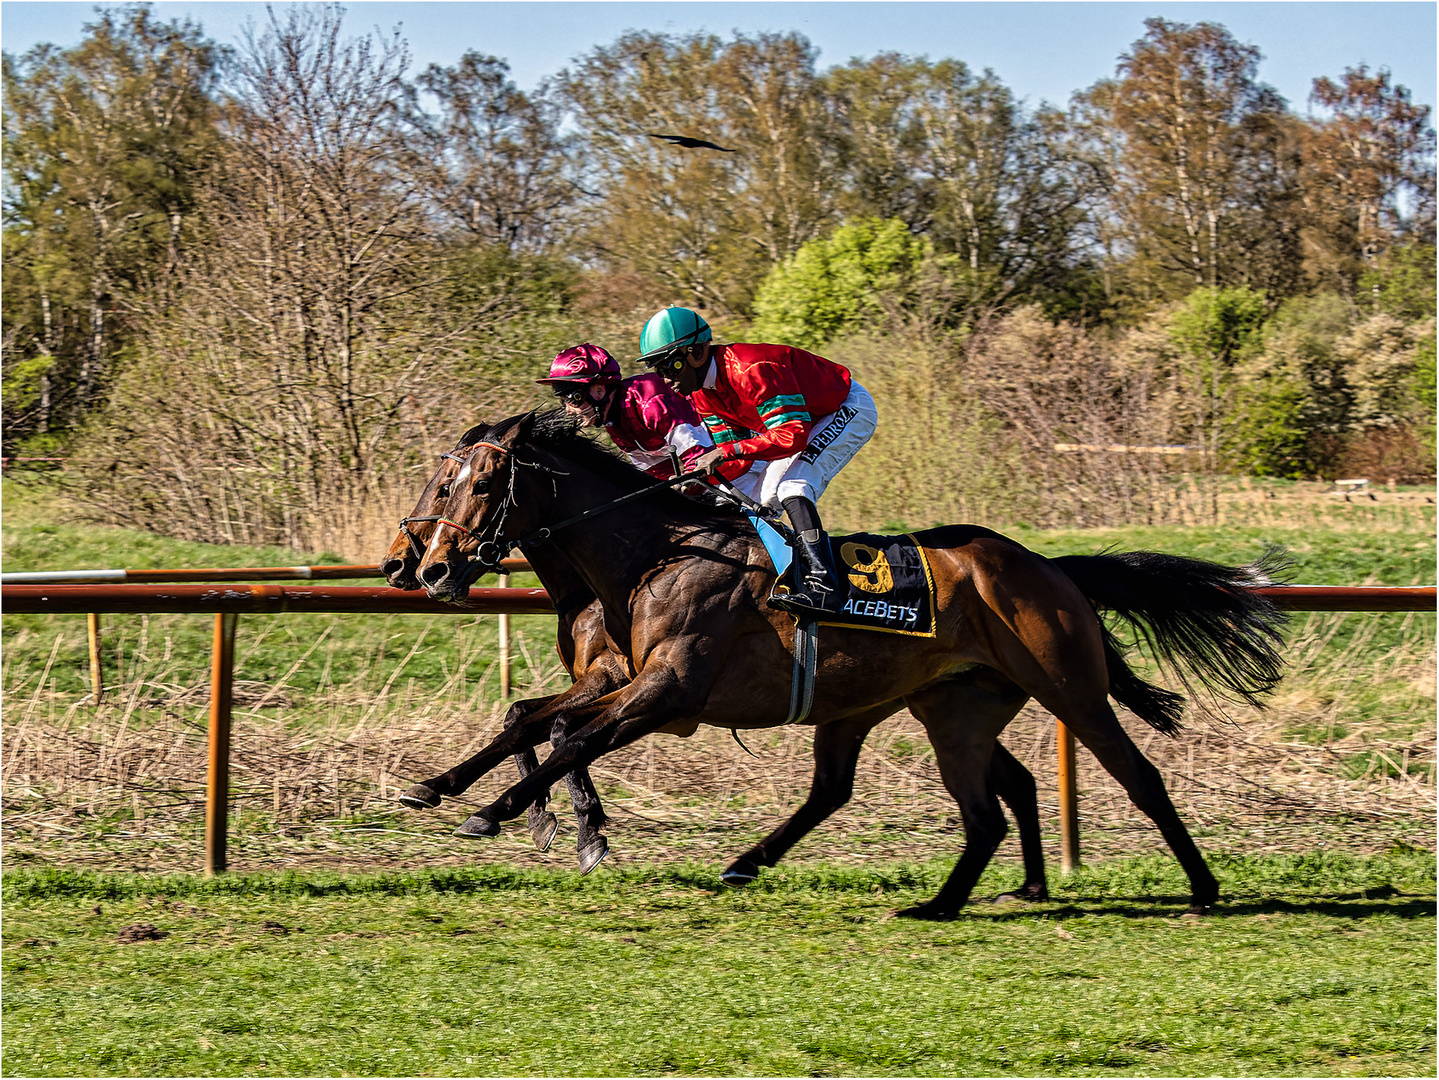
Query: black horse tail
(1202, 621)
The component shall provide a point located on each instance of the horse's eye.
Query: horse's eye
(444, 492)
(482, 487)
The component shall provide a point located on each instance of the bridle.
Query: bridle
(488, 554)
(489, 561)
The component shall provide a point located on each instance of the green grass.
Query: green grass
(355, 648)
(1313, 966)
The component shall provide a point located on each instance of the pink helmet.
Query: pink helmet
(583, 364)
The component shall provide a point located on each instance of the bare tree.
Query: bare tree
(501, 165)
(282, 387)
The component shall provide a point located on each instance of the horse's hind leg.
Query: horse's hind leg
(591, 844)
(1099, 729)
(1015, 784)
(836, 754)
(1048, 641)
(963, 718)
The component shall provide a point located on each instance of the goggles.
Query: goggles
(670, 363)
(574, 394)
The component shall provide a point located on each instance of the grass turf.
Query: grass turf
(1322, 965)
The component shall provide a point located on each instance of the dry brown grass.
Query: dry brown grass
(121, 786)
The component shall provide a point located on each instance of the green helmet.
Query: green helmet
(671, 329)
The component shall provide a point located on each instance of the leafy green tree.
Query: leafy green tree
(1402, 285)
(878, 138)
(1369, 169)
(105, 145)
(1213, 332)
(502, 168)
(1294, 399)
(700, 226)
(853, 279)
(1006, 201)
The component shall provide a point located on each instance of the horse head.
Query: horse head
(483, 512)
(402, 558)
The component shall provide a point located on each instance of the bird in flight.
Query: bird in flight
(691, 144)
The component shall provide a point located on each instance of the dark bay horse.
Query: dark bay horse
(683, 589)
(597, 669)
(580, 641)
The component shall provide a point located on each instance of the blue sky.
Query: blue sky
(1041, 50)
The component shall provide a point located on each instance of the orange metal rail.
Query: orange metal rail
(220, 573)
(262, 599)
(229, 602)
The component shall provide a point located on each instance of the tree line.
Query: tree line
(242, 281)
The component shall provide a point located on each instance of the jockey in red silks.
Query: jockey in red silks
(643, 416)
(799, 417)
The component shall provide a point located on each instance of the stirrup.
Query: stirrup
(806, 602)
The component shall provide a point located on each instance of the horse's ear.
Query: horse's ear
(474, 435)
(523, 429)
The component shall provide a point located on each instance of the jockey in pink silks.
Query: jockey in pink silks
(641, 414)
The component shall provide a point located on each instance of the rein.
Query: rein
(490, 560)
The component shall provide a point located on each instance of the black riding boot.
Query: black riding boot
(815, 588)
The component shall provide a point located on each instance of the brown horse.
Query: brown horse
(683, 588)
(596, 669)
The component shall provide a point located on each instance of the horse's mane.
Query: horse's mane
(557, 430)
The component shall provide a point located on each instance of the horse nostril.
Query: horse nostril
(391, 567)
(434, 573)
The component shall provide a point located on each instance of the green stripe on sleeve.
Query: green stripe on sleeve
(786, 403)
(720, 431)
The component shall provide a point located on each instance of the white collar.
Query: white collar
(710, 375)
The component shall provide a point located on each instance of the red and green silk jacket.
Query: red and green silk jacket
(766, 398)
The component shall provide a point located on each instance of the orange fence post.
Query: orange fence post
(217, 785)
(97, 671)
(1068, 800)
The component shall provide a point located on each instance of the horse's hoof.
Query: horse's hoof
(1025, 894)
(420, 797)
(593, 854)
(1196, 911)
(929, 912)
(543, 826)
(740, 872)
(475, 825)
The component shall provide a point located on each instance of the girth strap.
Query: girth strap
(806, 656)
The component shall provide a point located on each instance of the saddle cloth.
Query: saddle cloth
(885, 581)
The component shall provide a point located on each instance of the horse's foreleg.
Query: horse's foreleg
(596, 681)
(1014, 784)
(591, 845)
(524, 728)
(543, 824)
(655, 699)
(836, 754)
